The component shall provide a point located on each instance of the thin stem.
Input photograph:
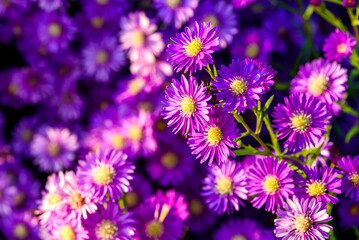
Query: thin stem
(352, 19)
(272, 135)
(335, 1)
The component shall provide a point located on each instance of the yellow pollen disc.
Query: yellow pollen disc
(252, 50)
(102, 2)
(239, 237)
(301, 122)
(169, 160)
(173, 3)
(12, 89)
(271, 185)
(135, 133)
(21, 231)
(188, 106)
(131, 199)
(214, 135)
(76, 200)
(55, 29)
(194, 47)
(136, 85)
(316, 189)
(354, 210)
(317, 84)
(67, 233)
(138, 38)
(224, 185)
(195, 207)
(117, 141)
(97, 22)
(342, 48)
(102, 57)
(26, 135)
(354, 178)
(19, 199)
(17, 30)
(302, 224)
(238, 86)
(106, 229)
(154, 229)
(213, 19)
(103, 174)
(145, 105)
(161, 125)
(53, 198)
(53, 149)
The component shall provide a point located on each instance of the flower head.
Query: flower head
(338, 46)
(349, 3)
(350, 184)
(238, 4)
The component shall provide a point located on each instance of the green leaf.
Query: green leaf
(248, 150)
(356, 231)
(348, 109)
(268, 103)
(352, 132)
(354, 59)
(282, 85)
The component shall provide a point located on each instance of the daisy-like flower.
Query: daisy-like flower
(239, 86)
(302, 219)
(302, 118)
(323, 79)
(141, 188)
(321, 181)
(108, 172)
(271, 182)
(192, 50)
(138, 36)
(107, 9)
(238, 4)
(23, 135)
(217, 137)
(225, 187)
(186, 105)
(20, 225)
(349, 3)
(8, 192)
(51, 5)
(350, 184)
(348, 211)
(338, 46)
(103, 58)
(175, 12)
(55, 149)
(68, 230)
(110, 223)
(268, 72)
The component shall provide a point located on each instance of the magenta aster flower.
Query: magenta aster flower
(302, 118)
(323, 79)
(63, 229)
(107, 172)
(51, 5)
(302, 219)
(175, 12)
(338, 46)
(349, 3)
(217, 137)
(239, 86)
(8, 192)
(225, 187)
(110, 223)
(238, 4)
(321, 181)
(271, 182)
(192, 49)
(20, 225)
(186, 105)
(350, 184)
(268, 71)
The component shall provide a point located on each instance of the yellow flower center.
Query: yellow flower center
(117, 141)
(138, 38)
(55, 29)
(194, 47)
(196, 207)
(342, 48)
(67, 233)
(238, 86)
(301, 122)
(12, 89)
(76, 200)
(102, 2)
(188, 106)
(53, 198)
(224, 185)
(103, 174)
(271, 185)
(106, 229)
(213, 19)
(136, 85)
(19, 199)
(316, 189)
(97, 22)
(21, 231)
(354, 210)
(239, 237)
(145, 105)
(252, 50)
(354, 178)
(173, 3)
(53, 149)
(302, 223)
(317, 84)
(102, 57)
(169, 160)
(131, 199)
(161, 125)
(214, 135)
(135, 133)
(154, 229)
(26, 135)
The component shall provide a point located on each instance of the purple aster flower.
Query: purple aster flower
(350, 182)
(192, 49)
(271, 182)
(348, 211)
(108, 9)
(107, 172)
(217, 137)
(349, 3)
(323, 79)
(224, 187)
(20, 225)
(51, 5)
(8, 192)
(238, 4)
(186, 105)
(68, 230)
(302, 219)
(240, 86)
(242, 229)
(10, 8)
(130, 89)
(55, 149)
(95, 27)
(338, 46)
(111, 223)
(67, 68)
(175, 12)
(268, 72)
(138, 35)
(302, 118)
(10, 94)
(325, 154)
(103, 58)
(221, 15)
(23, 135)
(141, 188)
(321, 181)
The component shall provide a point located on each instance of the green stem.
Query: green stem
(272, 135)
(352, 19)
(330, 17)
(335, 1)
